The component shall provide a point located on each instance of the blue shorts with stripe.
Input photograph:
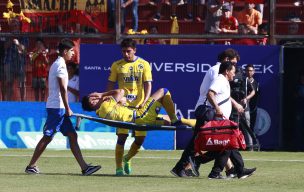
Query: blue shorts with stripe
(57, 121)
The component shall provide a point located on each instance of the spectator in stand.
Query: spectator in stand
(159, 4)
(263, 30)
(2, 54)
(250, 17)
(260, 7)
(14, 61)
(293, 29)
(228, 23)
(213, 15)
(244, 30)
(124, 5)
(154, 30)
(198, 6)
(73, 84)
(40, 61)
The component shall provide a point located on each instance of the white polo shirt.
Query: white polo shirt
(211, 74)
(58, 69)
(221, 87)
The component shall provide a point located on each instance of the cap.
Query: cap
(226, 7)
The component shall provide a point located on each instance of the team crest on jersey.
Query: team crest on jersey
(157, 110)
(140, 66)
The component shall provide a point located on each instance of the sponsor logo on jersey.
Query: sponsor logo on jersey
(131, 97)
(131, 78)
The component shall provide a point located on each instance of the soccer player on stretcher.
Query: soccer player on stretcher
(110, 105)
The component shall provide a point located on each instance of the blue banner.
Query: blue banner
(181, 69)
(31, 117)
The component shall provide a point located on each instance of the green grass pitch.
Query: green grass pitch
(276, 171)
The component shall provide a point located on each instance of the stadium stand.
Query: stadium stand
(285, 9)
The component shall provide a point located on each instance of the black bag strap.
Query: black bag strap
(220, 103)
(224, 101)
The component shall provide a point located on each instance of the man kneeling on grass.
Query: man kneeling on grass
(110, 105)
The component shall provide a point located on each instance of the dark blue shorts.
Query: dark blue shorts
(57, 121)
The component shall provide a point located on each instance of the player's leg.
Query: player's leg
(32, 166)
(134, 149)
(163, 95)
(122, 135)
(68, 130)
(188, 122)
(52, 125)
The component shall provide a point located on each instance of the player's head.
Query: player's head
(89, 103)
(229, 55)
(227, 69)
(66, 49)
(128, 49)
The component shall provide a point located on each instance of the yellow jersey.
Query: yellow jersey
(131, 77)
(110, 109)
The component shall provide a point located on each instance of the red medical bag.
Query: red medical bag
(219, 136)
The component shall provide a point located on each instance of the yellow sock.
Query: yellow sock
(119, 151)
(189, 122)
(133, 151)
(169, 106)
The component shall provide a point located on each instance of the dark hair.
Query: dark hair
(128, 43)
(65, 44)
(39, 39)
(249, 65)
(86, 104)
(226, 65)
(230, 53)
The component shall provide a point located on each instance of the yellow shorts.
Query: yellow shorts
(149, 114)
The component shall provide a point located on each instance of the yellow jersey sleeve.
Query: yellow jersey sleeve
(147, 72)
(114, 72)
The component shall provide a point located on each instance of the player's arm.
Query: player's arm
(147, 91)
(64, 96)
(117, 94)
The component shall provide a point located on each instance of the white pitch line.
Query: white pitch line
(168, 158)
